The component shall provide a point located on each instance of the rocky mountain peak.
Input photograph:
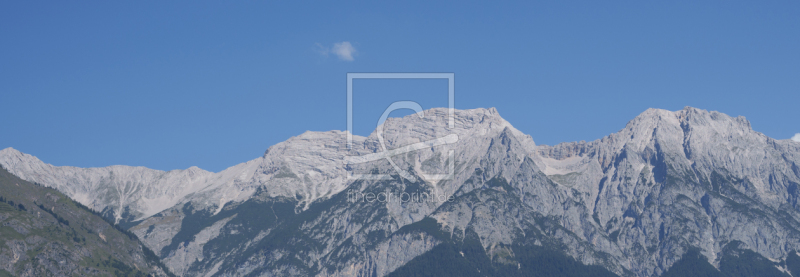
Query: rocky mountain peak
(687, 119)
(622, 201)
(11, 156)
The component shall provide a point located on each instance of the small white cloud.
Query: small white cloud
(344, 50)
(796, 137)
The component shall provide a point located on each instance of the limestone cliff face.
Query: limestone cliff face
(632, 202)
(691, 178)
(44, 233)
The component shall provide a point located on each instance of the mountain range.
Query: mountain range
(672, 192)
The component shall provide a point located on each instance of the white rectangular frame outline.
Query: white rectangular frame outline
(350, 76)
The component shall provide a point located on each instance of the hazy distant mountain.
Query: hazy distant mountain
(44, 233)
(695, 189)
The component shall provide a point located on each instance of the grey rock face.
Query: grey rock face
(44, 233)
(671, 180)
(633, 202)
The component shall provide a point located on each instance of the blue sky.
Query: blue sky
(168, 84)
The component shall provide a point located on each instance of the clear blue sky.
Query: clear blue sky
(168, 84)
